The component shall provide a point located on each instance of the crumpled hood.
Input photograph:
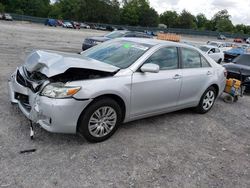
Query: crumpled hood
(51, 63)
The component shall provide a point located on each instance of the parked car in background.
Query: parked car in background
(92, 41)
(67, 25)
(248, 40)
(118, 81)
(111, 28)
(222, 45)
(214, 52)
(7, 17)
(85, 26)
(1, 16)
(60, 22)
(240, 69)
(221, 37)
(233, 53)
(75, 25)
(51, 22)
(238, 40)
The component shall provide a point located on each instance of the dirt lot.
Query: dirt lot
(180, 149)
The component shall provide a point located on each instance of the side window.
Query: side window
(166, 58)
(130, 35)
(190, 58)
(217, 50)
(204, 62)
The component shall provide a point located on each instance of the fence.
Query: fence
(138, 28)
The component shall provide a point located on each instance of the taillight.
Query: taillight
(225, 73)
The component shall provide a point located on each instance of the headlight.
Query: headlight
(59, 90)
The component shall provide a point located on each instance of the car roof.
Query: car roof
(209, 46)
(155, 42)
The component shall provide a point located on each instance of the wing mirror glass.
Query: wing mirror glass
(150, 67)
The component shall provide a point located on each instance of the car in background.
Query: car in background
(238, 40)
(1, 16)
(229, 55)
(67, 25)
(221, 37)
(111, 28)
(51, 22)
(118, 81)
(7, 17)
(92, 41)
(240, 69)
(222, 45)
(59, 22)
(214, 52)
(248, 40)
(75, 25)
(85, 26)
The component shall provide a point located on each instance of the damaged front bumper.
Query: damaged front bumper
(54, 115)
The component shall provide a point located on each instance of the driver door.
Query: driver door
(157, 92)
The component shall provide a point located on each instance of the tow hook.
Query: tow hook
(31, 130)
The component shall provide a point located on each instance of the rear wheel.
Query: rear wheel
(206, 101)
(100, 120)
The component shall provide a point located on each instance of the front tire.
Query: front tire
(206, 101)
(100, 120)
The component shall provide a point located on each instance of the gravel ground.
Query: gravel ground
(180, 149)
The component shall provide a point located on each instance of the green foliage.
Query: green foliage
(1, 7)
(169, 18)
(186, 20)
(128, 12)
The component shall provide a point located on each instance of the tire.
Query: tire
(207, 101)
(94, 125)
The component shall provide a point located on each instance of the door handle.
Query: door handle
(209, 73)
(177, 76)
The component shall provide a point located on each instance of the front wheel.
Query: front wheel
(206, 101)
(100, 120)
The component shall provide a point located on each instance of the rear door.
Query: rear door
(196, 76)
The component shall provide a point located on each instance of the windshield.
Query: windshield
(121, 54)
(115, 34)
(213, 44)
(204, 48)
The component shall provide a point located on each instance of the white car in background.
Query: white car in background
(214, 52)
(223, 46)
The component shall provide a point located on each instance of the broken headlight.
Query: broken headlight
(59, 90)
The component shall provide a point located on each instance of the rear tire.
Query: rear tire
(100, 120)
(206, 101)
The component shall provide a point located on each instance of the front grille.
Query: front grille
(20, 79)
(24, 82)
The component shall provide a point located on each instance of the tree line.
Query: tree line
(126, 12)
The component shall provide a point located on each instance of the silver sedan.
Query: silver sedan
(118, 81)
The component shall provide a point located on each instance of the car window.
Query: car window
(166, 58)
(190, 58)
(217, 50)
(120, 53)
(204, 62)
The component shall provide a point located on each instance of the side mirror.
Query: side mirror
(150, 67)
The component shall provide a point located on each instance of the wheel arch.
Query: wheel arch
(115, 97)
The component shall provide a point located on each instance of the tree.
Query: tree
(186, 20)
(1, 7)
(201, 21)
(219, 19)
(169, 18)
